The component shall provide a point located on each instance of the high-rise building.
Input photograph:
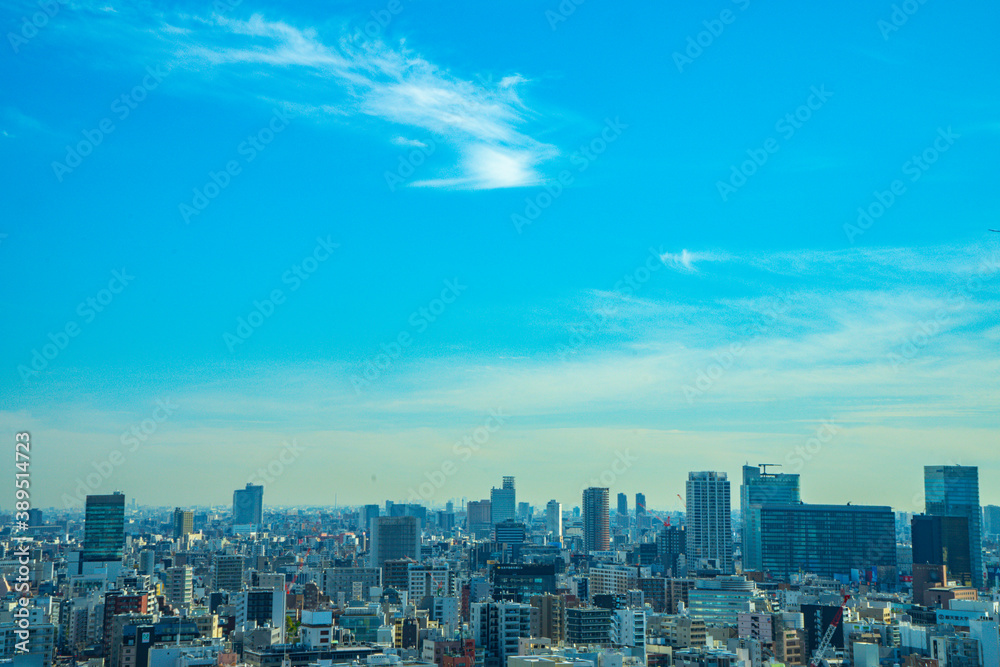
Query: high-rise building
(760, 487)
(368, 512)
(553, 519)
(709, 534)
(588, 625)
(640, 509)
(229, 572)
(596, 531)
(510, 532)
(180, 582)
(954, 491)
(477, 517)
(828, 540)
(394, 537)
(104, 529)
(503, 502)
(671, 549)
(498, 626)
(266, 606)
(943, 540)
(434, 579)
(183, 522)
(116, 603)
(248, 506)
(147, 561)
(622, 518)
(551, 616)
(991, 519)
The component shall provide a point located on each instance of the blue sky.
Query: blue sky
(636, 228)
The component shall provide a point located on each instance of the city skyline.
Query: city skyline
(394, 334)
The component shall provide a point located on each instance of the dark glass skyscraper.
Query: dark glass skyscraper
(954, 491)
(943, 540)
(827, 540)
(759, 488)
(248, 506)
(104, 528)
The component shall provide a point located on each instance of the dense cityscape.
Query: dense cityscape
(384, 333)
(764, 580)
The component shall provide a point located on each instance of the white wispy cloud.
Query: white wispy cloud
(685, 260)
(409, 143)
(480, 120)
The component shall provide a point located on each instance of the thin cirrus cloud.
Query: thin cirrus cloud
(685, 260)
(480, 121)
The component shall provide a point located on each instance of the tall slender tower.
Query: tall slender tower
(954, 491)
(709, 524)
(553, 519)
(596, 532)
(622, 518)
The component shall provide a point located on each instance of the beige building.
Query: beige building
(683, 631)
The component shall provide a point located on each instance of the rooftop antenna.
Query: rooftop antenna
(763, 467)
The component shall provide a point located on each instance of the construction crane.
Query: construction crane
(763, 467)
(827, 641)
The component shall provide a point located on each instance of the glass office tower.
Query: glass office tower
(760, 487)
(954, 491)
(104, 528)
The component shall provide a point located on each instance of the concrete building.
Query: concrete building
(551, 616)
(477, 518)
(497, 626)
(394, 538)
(720, 601)
(607, 579)
(709, 533)
(229, 572)
(596, 531)
(434, 579)
(316, 629)
(588, 625)
(183, 522)
(342, 580)
(628, 628)
(264, 606)
(180, 585)
(684, 631)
